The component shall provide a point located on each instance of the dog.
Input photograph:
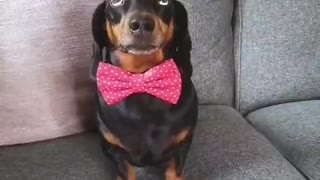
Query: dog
(141, 130)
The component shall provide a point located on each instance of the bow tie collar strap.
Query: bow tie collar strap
(162, 81)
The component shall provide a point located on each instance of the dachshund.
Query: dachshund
(141, 131)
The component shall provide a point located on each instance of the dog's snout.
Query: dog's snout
(141, 25)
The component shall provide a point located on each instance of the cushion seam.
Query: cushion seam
(238, 86)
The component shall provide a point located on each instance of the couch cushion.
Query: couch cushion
(77, 157)
(212, 57)
(277, 52)
(44, 60)
(294, 128)
(225, 148)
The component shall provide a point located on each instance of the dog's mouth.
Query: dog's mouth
(139, 50)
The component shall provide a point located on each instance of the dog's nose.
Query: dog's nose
(141, 25)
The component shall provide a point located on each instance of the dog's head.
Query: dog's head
(139, 26)
(142, 33)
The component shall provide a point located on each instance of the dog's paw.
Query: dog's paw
(174, 178)
(178, 178)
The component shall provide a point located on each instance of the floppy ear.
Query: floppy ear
(181, 39)
(98, 25)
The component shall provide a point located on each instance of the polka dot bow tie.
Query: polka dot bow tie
(162, 81)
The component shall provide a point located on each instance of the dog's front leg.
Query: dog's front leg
(176, 164)
(128, 172)
(124, 171)
(171, 172)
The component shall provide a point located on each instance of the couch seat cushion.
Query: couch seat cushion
(225, 147)
(76, 157)
(294, 128)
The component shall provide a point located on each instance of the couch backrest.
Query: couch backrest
(277, 52)
(45, 50)
(212, 53)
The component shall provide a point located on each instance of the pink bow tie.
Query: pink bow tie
(162, 81)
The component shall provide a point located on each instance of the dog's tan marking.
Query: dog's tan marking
(178, 139)
(169, 32)
(139, 63)
(116, 31)
(113, 140)
(131, 174)
(181, 136)
(171, 173)
(163, 32)
(113, 33)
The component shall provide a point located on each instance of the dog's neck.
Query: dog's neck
(135, 63)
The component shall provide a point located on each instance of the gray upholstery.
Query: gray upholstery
(277, 52)
(294, 128)
(212, 57)
(45, 50)
(225, 148)
(77, 157)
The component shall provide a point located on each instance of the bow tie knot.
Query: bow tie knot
(162, 81)
(137, 83)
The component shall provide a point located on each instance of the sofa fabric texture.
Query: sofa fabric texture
(212, 51)
(294, 128)
(45, 49)
(78, 157)
(277, 52)
(226, 147)
(219, 151)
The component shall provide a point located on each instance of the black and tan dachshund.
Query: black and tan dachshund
(136, 35)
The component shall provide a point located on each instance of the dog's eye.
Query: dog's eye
(116, 3)
(163, 2)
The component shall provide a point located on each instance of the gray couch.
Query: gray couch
(257, 71)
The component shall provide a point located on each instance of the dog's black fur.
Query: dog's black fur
(144, 125)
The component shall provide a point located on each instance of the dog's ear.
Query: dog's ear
(181, 40)
(98, 28)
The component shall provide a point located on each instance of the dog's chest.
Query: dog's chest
(143, 117)
(139, 111)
